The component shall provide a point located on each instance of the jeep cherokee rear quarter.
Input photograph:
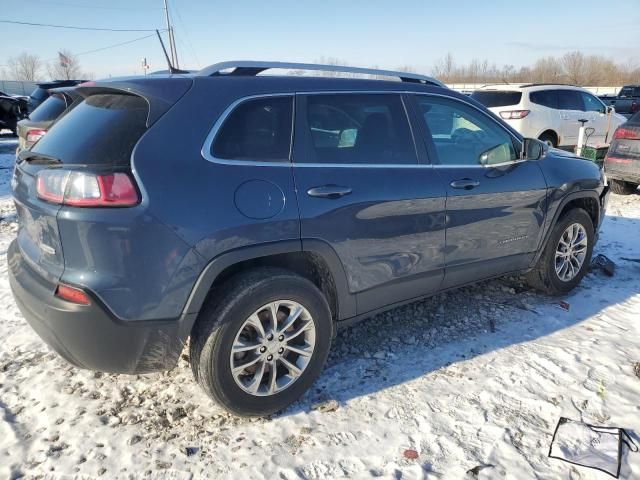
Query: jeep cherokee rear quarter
(256, 213)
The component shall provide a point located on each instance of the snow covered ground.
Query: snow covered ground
(471, 384)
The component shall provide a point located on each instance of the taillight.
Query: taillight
(34, 134)
(626, 134)
(80, 189)
(72, 294)
(514, 114)
(634, 106)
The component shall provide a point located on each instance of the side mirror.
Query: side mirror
(533, 149)
(609, 109)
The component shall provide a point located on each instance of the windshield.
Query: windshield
(103, 129)
(50, 109)
(490, 98)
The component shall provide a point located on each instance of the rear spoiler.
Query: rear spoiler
(161, 93)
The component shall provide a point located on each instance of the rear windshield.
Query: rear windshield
(496, 99)
(39, 94)
(103, 129)
(50, 109)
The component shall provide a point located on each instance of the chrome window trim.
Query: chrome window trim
(206, 147)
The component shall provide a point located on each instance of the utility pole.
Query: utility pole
(172, 40)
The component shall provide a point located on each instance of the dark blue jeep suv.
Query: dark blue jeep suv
(254, 214)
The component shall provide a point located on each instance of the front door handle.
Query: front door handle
(465, 183)
(329, 191)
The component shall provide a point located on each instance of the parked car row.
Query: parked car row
(551, 113)
(14, 108)
(288, 207)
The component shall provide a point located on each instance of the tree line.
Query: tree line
(574, 68)
(31, 68)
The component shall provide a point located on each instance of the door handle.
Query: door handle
(465, 183)
(329, 191)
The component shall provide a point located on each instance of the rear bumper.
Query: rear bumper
(622, 175)
(89, 336)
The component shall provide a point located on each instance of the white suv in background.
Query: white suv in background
(550, 112)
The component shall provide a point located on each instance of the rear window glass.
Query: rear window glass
(103, 129)
(635, 118)
(39, 94)
(257, 130)
(497, 99)
(50, 109)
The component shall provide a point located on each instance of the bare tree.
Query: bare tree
(67, 67)
(444, 68)
(25, 67)
(547, 70)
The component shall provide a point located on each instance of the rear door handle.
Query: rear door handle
(329, 191)
(465, 183)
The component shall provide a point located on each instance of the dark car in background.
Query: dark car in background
(286, 208)
(41, 92)
(622, 163)
(36, 125)
(627, 102)
(13, 108)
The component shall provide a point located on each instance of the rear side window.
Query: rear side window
(546, 98)
(50, 109)
(258, 130)
(103, 129)
(358, 129)
(628, 92)
(496, 99)
(570, 100)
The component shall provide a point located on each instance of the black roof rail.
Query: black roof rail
(252, 68)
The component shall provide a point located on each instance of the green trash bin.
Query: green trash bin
(595, 154)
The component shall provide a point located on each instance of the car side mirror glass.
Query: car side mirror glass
(609, 109)
(533, 149)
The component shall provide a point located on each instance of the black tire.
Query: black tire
(543, 277)
(622, 188)
(222, 318)
(549, 138)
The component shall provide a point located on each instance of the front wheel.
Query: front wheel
(258, 346)
(567, 255)
(622, 188)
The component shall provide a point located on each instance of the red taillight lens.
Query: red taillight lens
(626, 134)
(72, 294)
(80, 189)
(34, 134)
(514, 114)
(634, 106)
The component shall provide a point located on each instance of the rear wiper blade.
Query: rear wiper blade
(37, 158)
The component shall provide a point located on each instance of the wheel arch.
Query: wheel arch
(588, 200)
(311, 259)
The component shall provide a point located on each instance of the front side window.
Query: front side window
(462, 135)
(591, 103)
(546, 98)
(570, 100)
(359, 129)
(258, 129)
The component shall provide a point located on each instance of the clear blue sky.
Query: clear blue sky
(387, 34)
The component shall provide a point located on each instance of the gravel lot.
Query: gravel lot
(468, 384)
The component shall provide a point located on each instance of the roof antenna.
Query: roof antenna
(172, 69)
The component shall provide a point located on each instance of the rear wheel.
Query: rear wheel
(549, 138)
(622, 188)
(567, 255)
(261, 343)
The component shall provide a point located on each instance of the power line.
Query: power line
(31, 24)
(186, 32)
(117, 44)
